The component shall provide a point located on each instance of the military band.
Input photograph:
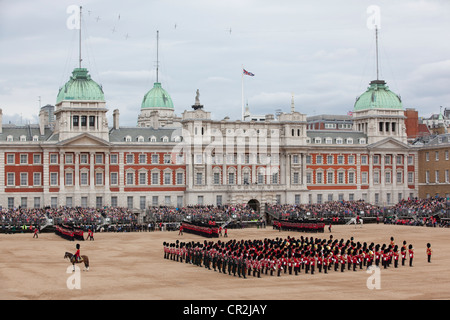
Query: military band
(285, 256)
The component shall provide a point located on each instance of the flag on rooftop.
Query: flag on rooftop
(248, 73)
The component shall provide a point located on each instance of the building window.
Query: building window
(329, 159)
(179, 201)
(129, 159)
(99, 159)
(387, 160)
(319, 159)
(84, 178)
(319, 177)
(376, 159)
(308, 177)
(142, 202)
(114, 180)
(114, 202)
(36, 159)
(10, 202)
(308, 159)
(387, 177)
(340, 159)
(84, 158)
(199, 178)
(351, 159)
(53, 178)
(114, 159)
(216, 179)
(155, 178)
(53, 158)
(154, 158)
(399, 177)
(167, 159)
(99, 178)
(130, 202)
(23, 159)
(37, 179)
(69, 159)
(37, 202)
(130, 178)
(23, 179)
(351, 177)
(142, 178)
(341, 177)
(10, 179)
(98, 202)
(260, 178)
(69, 178)
(364, 160)
(330, 177)
(10, 159)
(376, 177)
(142, 158)
(180, 179)
(295, 179)
(364, 177)
(410, 177)
(167, 178)
(231, 178)
(275, 178)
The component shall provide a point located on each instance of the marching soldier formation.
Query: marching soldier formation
(244, 258)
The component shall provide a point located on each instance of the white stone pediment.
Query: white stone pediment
(388, 143)
(85, 140)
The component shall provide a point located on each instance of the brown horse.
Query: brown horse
(72, 260)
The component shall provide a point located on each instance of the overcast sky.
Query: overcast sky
(321, 51)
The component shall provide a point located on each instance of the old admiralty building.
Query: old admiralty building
(74, 157)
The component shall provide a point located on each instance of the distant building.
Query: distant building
(434, 163)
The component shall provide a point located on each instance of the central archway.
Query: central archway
(254, 204)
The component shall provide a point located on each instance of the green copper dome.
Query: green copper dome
(157, 97)
(80, 87)
(378, 96)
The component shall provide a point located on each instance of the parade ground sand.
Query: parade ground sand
(130, 266)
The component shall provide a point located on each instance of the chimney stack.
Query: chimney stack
(116, 119)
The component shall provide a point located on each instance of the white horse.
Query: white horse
(353, 221)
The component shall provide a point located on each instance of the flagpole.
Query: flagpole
(242, 82)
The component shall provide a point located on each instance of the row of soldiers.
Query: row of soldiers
(289, 255)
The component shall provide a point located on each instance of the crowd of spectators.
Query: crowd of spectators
(406, 212)
(328, 209)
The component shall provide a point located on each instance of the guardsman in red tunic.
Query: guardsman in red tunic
(411, 254)
(312, 262)
(320, 262)
(403, 252)
(395, 257)
(429, 251)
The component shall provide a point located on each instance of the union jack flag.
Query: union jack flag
(248, 73)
